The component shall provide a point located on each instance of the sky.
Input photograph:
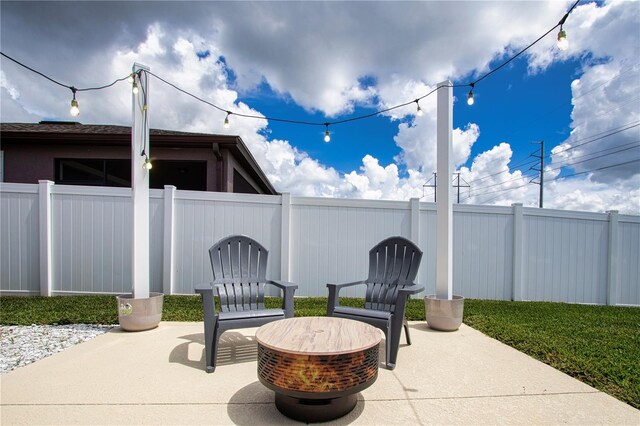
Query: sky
(332, 61)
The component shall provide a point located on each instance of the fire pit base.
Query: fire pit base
(315, 410)
(317, 365)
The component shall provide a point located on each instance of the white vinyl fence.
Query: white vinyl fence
(57, 239)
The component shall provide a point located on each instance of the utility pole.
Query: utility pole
(435, 183)
(541, 170)
(458, 185)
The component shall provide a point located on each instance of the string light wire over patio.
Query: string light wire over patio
(562, 44)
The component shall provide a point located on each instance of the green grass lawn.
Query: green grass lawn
(599, 345)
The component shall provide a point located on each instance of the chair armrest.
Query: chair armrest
(339, 286)
(205, 290)
(412, 289)
(334, 297)
(202, 288)
(288, 289)
(283, 284)
(403, 295)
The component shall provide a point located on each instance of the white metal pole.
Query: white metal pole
(444, 205)
(140, 185)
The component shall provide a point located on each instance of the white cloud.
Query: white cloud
(330, 57)
(492, 181)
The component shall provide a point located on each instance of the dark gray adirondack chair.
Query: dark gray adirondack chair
(239, 267)
(393, 265)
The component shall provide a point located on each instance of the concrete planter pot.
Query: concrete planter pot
(139, 314)
(444, 314)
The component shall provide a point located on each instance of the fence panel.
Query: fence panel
(331, 239)
(483, 252)
(628, 261)
(19, 239)
(156, 239)
(427, 273)
(91, 239)
(201, 219)
(565, 256)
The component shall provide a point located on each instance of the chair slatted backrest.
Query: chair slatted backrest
(239, 269)
(393, 264)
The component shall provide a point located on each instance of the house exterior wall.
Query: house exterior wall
(500, 253)
(231, 165)
(30, 163)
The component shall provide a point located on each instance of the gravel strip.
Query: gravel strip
(22, 345)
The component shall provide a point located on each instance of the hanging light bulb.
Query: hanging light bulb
(563, 43)
(135, 88)
(418, 109)
(147, 163)
(226, 120)
(470, 96)
(327, 136)
(131, 79)
(75, 109)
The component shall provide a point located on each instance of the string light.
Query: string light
(563, 43)
(75, 108)
(147, 161)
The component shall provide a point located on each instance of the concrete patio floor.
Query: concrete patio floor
(157, 377)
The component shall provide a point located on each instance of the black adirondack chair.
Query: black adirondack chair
(239, 267)
(393, 265)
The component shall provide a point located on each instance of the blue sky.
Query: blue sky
(330, 61)
(510, 105)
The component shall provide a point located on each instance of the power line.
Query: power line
(508, 169)
(566, 164)
(597, 139)
(593, 88)
(596, 170)
(599, 135)
(524, 175)
(559, 178)
(590, 90)
(508, 189)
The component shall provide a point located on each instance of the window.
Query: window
(240, 184)
(190, 175)
(84, 171)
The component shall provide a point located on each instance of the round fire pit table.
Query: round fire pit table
(317, 365)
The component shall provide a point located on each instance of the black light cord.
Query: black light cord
(72, 88)
(382, 111)
(37, 72)
(308, 123)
